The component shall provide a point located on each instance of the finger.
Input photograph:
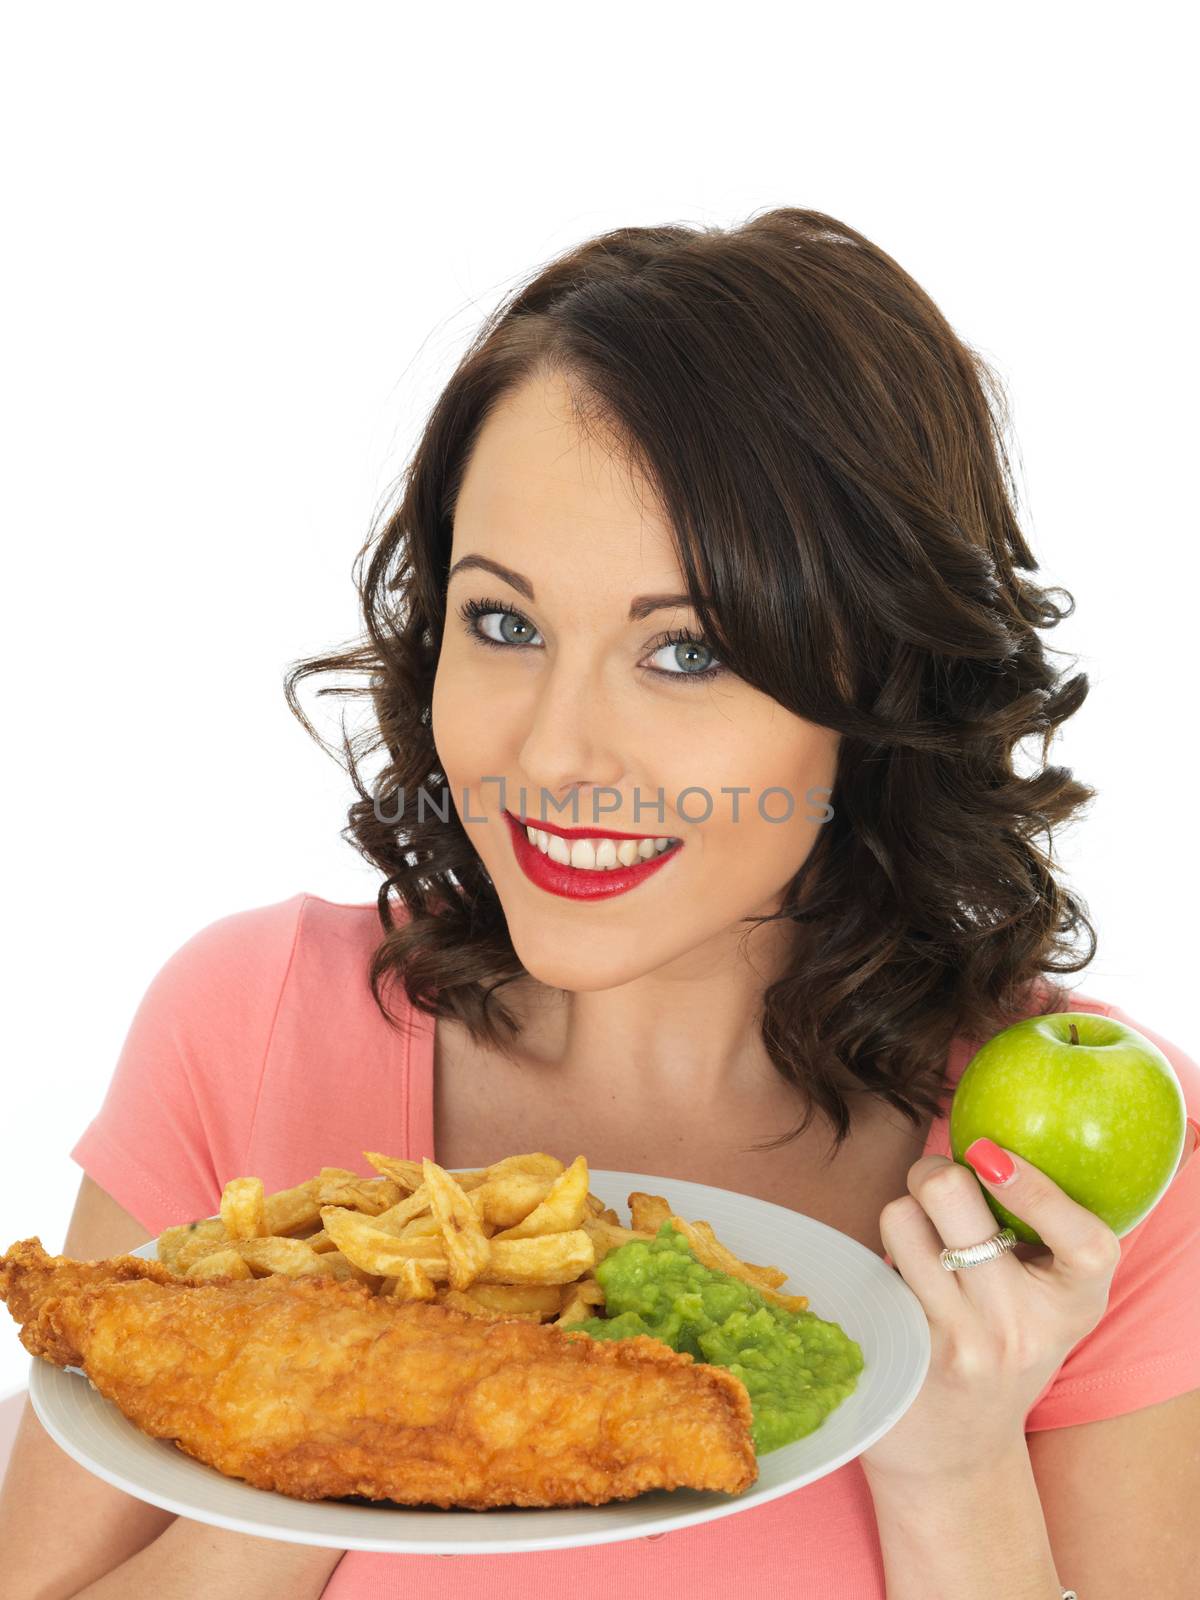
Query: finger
(915, 1245)
(956, 1206)
(1083, 1246)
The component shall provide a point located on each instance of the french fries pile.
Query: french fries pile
(519, 1239)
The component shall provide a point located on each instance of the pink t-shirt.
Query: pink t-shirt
(258, 1049)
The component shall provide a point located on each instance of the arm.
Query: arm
(973, 1534)
(1120, 1496)
(67, 1533)
(191, 1560)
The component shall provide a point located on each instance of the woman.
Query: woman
(710, 541)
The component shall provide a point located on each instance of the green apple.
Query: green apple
(1089, 1101)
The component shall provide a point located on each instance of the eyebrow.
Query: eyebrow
(639, 608)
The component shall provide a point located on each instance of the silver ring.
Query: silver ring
(972, 1254)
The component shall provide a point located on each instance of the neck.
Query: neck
(686, 1031)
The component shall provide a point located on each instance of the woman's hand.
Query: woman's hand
(1000, 1330)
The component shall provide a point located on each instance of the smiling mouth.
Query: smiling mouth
(581, 832)
(597, 853)
(594, 851)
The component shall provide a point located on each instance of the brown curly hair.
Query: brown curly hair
(830, 457)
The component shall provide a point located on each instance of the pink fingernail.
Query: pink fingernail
(994, 1166)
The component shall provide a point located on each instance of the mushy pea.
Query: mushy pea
(796, 1367)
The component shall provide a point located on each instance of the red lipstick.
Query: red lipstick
(580, 833)
(577, 883)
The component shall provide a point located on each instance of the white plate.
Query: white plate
(845, 1283)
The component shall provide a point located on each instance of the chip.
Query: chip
(518, 1239)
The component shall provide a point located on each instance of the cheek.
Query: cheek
(748, 862)
(464, 734)
(778, 823)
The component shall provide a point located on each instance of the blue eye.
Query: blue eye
(683, 645)
(515, 631)
(474, 611)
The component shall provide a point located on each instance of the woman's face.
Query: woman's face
(556, 691)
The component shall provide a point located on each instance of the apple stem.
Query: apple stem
(1074, 1034)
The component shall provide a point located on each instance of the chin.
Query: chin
(582, 966)
(578, 977)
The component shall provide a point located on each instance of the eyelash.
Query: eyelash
(471, 610)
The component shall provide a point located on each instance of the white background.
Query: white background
(246, 245)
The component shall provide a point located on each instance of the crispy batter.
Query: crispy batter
(318, 1389)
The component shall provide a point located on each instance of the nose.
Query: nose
(574, 735)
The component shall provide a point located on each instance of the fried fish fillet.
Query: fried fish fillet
(319, 1389)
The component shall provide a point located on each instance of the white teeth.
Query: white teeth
(583, 853)
(594, 855)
